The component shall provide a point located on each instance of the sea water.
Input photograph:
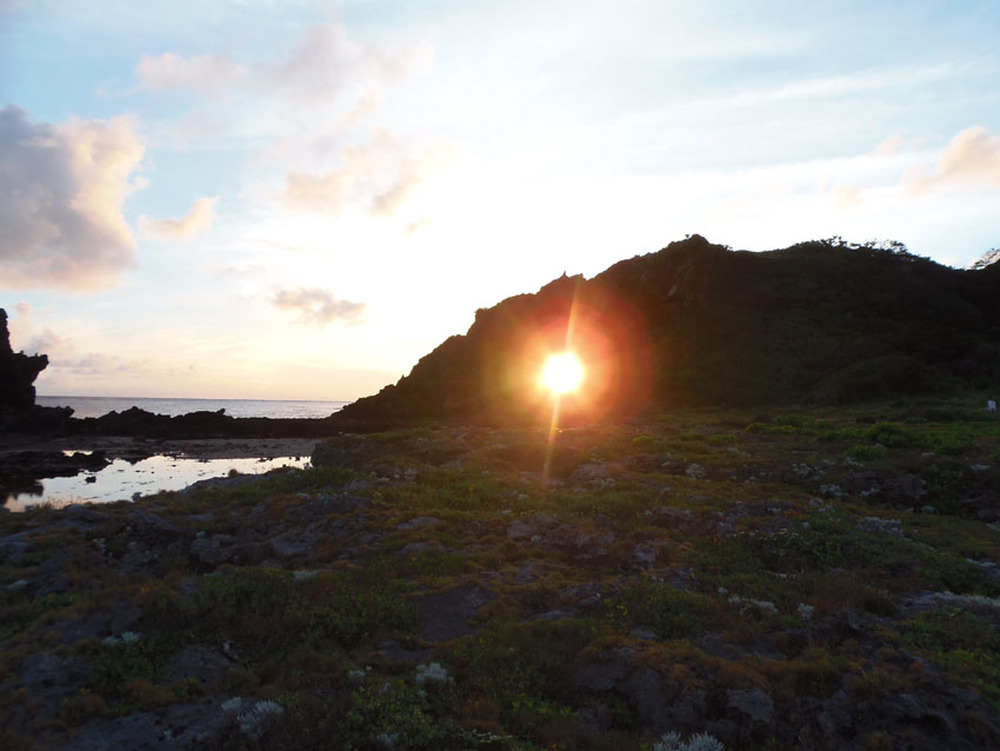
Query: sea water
(96, 406)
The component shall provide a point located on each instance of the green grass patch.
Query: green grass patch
(521, 669)
(965, 647)
(670, 612)
(266, 612)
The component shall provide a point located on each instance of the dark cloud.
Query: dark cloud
(317, 306)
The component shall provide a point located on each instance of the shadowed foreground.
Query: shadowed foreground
(785, 580)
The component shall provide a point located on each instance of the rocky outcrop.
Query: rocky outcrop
(18, 372)
(697, 323)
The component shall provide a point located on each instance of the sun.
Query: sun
(563, 373)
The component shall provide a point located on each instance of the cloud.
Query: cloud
(323, 64)
(66, 362)
(317, 306)
(48, 342)
(326, 61)
(890, 145)
(971, 160)
(206, 73)
(377, 175)
(847, 196)
(62, 189)
(200, 218)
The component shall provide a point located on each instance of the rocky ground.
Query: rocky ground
(790, 580)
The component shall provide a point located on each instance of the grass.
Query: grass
(722, 550)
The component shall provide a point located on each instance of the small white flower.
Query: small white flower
(746, 603)
(252, 720)
(699, 742)
(131, 637)
(303, 575)
(267, 706)
(357, 675)
(806, 611)
(432, 674)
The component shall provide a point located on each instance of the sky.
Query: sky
(293, 199)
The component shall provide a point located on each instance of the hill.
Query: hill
(823, 322)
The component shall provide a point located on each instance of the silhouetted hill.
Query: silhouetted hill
(697, 323)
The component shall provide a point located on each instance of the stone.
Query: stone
(643, 557)
(51, 678)
(393, 650)
(293, 544)
(214, 550)
(419, 521)
(519, 530)
(124, 615)
(607, 671)
(752, 705)
(446, 615)
(180, 726)
(651, 695)
(199, 661)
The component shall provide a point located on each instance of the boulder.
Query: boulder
(446, 615)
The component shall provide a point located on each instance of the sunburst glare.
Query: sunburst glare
(563, 373)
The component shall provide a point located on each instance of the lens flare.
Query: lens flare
(563, 373)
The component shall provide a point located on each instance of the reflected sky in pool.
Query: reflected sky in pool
(120, 480)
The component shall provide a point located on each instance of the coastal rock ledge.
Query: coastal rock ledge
(18, 372)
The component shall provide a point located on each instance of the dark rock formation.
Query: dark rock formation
(18, 372)
(699, 324)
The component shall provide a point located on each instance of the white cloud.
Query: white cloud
(971, 160)
(48, 342)
(377, 175)
(326, 61)
(200, 218)
(65, 359)
(847, 196)
(324, 64)
(317, 306)
(207, 73)
(62, 190)
(890, 145)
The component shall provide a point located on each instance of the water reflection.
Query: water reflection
(121, 480)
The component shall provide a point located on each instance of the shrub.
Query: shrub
(863, 452)
(893, 436)
(671, 612)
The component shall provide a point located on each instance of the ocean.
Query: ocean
(96, 406)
